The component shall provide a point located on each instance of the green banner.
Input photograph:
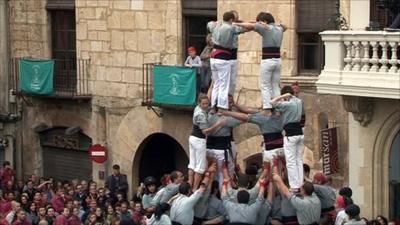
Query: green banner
(174, 85)
(36, 76)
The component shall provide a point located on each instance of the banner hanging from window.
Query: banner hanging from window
(174, 85)
(330, 153)
(36, 76)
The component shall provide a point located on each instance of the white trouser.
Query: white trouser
(221, 70)
(269, 80)
(219, 156)
(268, 156)
(232, 85)
(293, 147)
(197, 154)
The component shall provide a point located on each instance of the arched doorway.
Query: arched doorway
(159, 154)
(394, 179)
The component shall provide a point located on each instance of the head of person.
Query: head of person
(93, 205)
(6, 164)
(137, 207)
(228, 17)
(84, 184)
(10, 196)
(124, 206)
(120, 196)
(29, 184)
(192, 51)
(177, 177)
(236, 15)
(243, 197)
(307, 189)
(343, 201)
(184, 188)
(296, 88)
(65, 212)
(203, 101)
(382, 220)
(92, 218)
(307, 170)
(21, 216)
(287, 89)
(365, 220)
(346, 191)
(353, 211)
(110, 209)
(265, 17)
(98, 212)
(24, 199)
(50, 212)
(75, 211)
(116, 169)
(320, 178)
(15, 206)
(160, 210)
(32, 207)
(42, 211)
(101, 192)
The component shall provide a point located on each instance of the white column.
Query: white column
(357, 8)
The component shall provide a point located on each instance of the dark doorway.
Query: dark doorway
(161, 154)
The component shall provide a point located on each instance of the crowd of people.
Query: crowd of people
(216, 190)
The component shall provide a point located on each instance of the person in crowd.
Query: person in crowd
(74, 218)
(194, 61)
(125, 214)
(137, 213)
(341, 203)
(62, 219)
(50, 215)
(326, 195)
(353, 211)
(150, 190)
(117, 182)
(31, 214)
(20, 218)
(160, 217)
(30, 190)
(91, 220)
(293, 142)
(346, 192)
(382, 220)
(205, 62)
(166, 193)
(15, 207)
(7, 174)
(99, 215)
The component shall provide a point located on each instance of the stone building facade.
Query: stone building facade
(118, 36)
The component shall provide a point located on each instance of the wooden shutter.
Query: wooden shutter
(315, 15)
(60, 4)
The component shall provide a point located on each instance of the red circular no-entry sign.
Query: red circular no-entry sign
(98, 153)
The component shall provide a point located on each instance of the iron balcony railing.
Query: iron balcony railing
(70, 81)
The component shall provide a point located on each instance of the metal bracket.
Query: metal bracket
(157, 112)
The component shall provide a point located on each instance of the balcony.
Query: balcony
(70, 79)
(361, 63)
(168, 87)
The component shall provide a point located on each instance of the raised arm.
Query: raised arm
(237, 115)
(247, 26)
(245, 109)
(277, 99)
(271, 192)
(220, 123)
(279, 183)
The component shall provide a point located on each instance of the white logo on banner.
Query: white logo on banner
(174, 80)
(35, 84)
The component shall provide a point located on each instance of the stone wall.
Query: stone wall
(120, 35)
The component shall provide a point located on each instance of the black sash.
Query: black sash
(234, 53)
(327, 210)
(271, 52)
(273, 140)
(303, 120)
(293, 129)
(219, 143)
(220, 52)
(196, 131)
(290, 220)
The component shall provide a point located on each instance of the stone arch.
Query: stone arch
(134, 129)
(381, 153)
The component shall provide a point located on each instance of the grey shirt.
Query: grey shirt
(147, 199)
(215, 208)
(267, 124)
(355, 222)
(291, 109)
(326, 195)
(182, 208)
(194, 62)
(223, 34)
(242, 213)
(164, 220)
(308, 208)
(226, 130)
(200, 118)
(253, 192)
(287, 209)
(264, 213)
(271, 36)
(165, 194)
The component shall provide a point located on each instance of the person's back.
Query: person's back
(308, 208)
(182, 205)
(242, 212)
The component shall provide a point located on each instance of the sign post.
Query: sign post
(98, 153)
(330, 156)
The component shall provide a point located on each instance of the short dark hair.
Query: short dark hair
(174, 176)
(265, 17)
(6, 163)
(287, 89)
(184, 188)
(346, 191)
(308, 188)
(116, 167)
(201, 97)
(243, 197)
(306, 168)
(228, 16)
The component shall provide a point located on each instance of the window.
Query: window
(63, 36)
(313, 16)
(196, 16)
